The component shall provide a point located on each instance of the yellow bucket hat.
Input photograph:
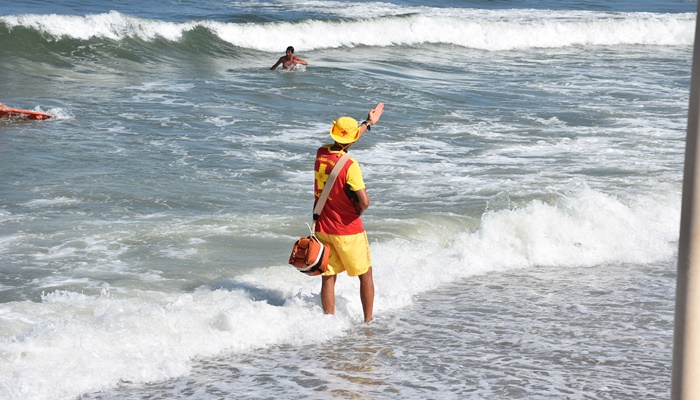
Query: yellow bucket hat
(345, 130)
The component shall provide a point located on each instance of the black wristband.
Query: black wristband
(368, 125)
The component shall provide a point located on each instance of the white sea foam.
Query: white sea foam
(58, 201)
(479, 29)
(148, 336)
(142, 336)
(112, 25)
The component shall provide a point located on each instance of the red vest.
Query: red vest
(338, 216)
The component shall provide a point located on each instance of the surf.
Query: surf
(490, 30)
(143, 335)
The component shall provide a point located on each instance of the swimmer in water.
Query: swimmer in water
(289, 60)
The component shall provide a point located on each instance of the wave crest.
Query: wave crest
(478, 29)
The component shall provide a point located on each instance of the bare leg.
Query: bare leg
(367, 294)
(328, 294)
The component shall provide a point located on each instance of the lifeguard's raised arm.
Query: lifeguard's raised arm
(372, 118)
(375, 113)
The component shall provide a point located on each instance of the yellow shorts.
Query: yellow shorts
(348, 253)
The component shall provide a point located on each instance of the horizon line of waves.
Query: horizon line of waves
(484, 31)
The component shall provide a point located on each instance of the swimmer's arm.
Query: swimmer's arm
(300, 61)
(280, 61)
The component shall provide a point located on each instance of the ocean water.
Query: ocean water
(525, 182)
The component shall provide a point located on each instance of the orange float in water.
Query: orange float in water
(7, 112)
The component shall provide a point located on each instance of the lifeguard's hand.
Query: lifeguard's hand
(375, 113)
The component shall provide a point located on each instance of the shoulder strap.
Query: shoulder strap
(329, 184)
